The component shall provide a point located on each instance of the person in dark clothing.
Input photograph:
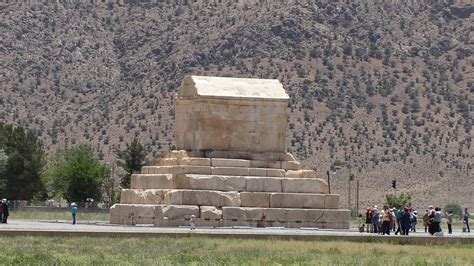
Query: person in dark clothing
(466, 219)
(431, 224)
(398, 215)
(405, 221)
(368, 220)
(5, 211)
(1, 211)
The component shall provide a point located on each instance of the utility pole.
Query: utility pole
(357, 197)
(394, 185)
(351, 177)
(329, 183)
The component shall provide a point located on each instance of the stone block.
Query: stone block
(290, 165)
(263, 184)
(210, 182)
(304, 185)
(145, 181)
(176, 211)
(149, 196)
(216, 154)
(219, 162)
(174, 197)
(234, 171)
(192, 161)
(297, 200)
(210, 198)
(301, 174)
(331, 201)
(199, 154)
(210, 213)
(162, 169)
(232, 213)
(255, 199)
(174, 154)
(294, 173)
(266, 156)
(257, 171)
(189, 169)
(239, 155)
(286, 157)
(243, 214)
(132, 214)
(258, 164)
(234, 183)
(202, 170)
(275, 172)
(274, 164)
(276, 214)
(165, 161)
(330, 216)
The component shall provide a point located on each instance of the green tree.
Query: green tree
(131, 160)
(24, 163)
(3, 168)
(454, 207)
(76, 175)
(396, 202)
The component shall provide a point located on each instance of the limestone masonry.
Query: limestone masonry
(231, 167)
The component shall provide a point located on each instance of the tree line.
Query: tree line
(74, 174)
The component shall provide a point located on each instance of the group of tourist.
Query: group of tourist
(4, 212)
(404, 220)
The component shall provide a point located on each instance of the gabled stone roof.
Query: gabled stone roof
(221, 87)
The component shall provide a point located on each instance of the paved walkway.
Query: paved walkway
(102, 229)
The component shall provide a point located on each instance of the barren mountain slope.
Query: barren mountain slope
(386, 90)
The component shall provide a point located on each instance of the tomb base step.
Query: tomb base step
(230, 198)
(229, 183)
(179, 215)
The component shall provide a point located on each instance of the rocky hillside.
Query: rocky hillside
(383, 91)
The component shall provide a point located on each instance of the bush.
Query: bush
(454, 207)
(397, 202)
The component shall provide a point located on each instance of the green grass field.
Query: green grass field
(196, 250)
(48, 215)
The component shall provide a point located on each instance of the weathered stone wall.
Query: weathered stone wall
(215, 114)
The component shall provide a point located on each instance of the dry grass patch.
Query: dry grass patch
(198, 250)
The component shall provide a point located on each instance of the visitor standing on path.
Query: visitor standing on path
(414, 220)
(73, 212)
(437, 220)
(386, 220)
(192, 222)
(375, 219)
(405, 222)
(1, 211)
(466, 219)
(449, 217)
(5, 211)
(425, 220)
(368, 220)
(431, 224)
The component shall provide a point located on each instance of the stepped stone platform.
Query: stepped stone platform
(228, 192)
(232, 168)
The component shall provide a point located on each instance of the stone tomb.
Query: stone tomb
(231, 167)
